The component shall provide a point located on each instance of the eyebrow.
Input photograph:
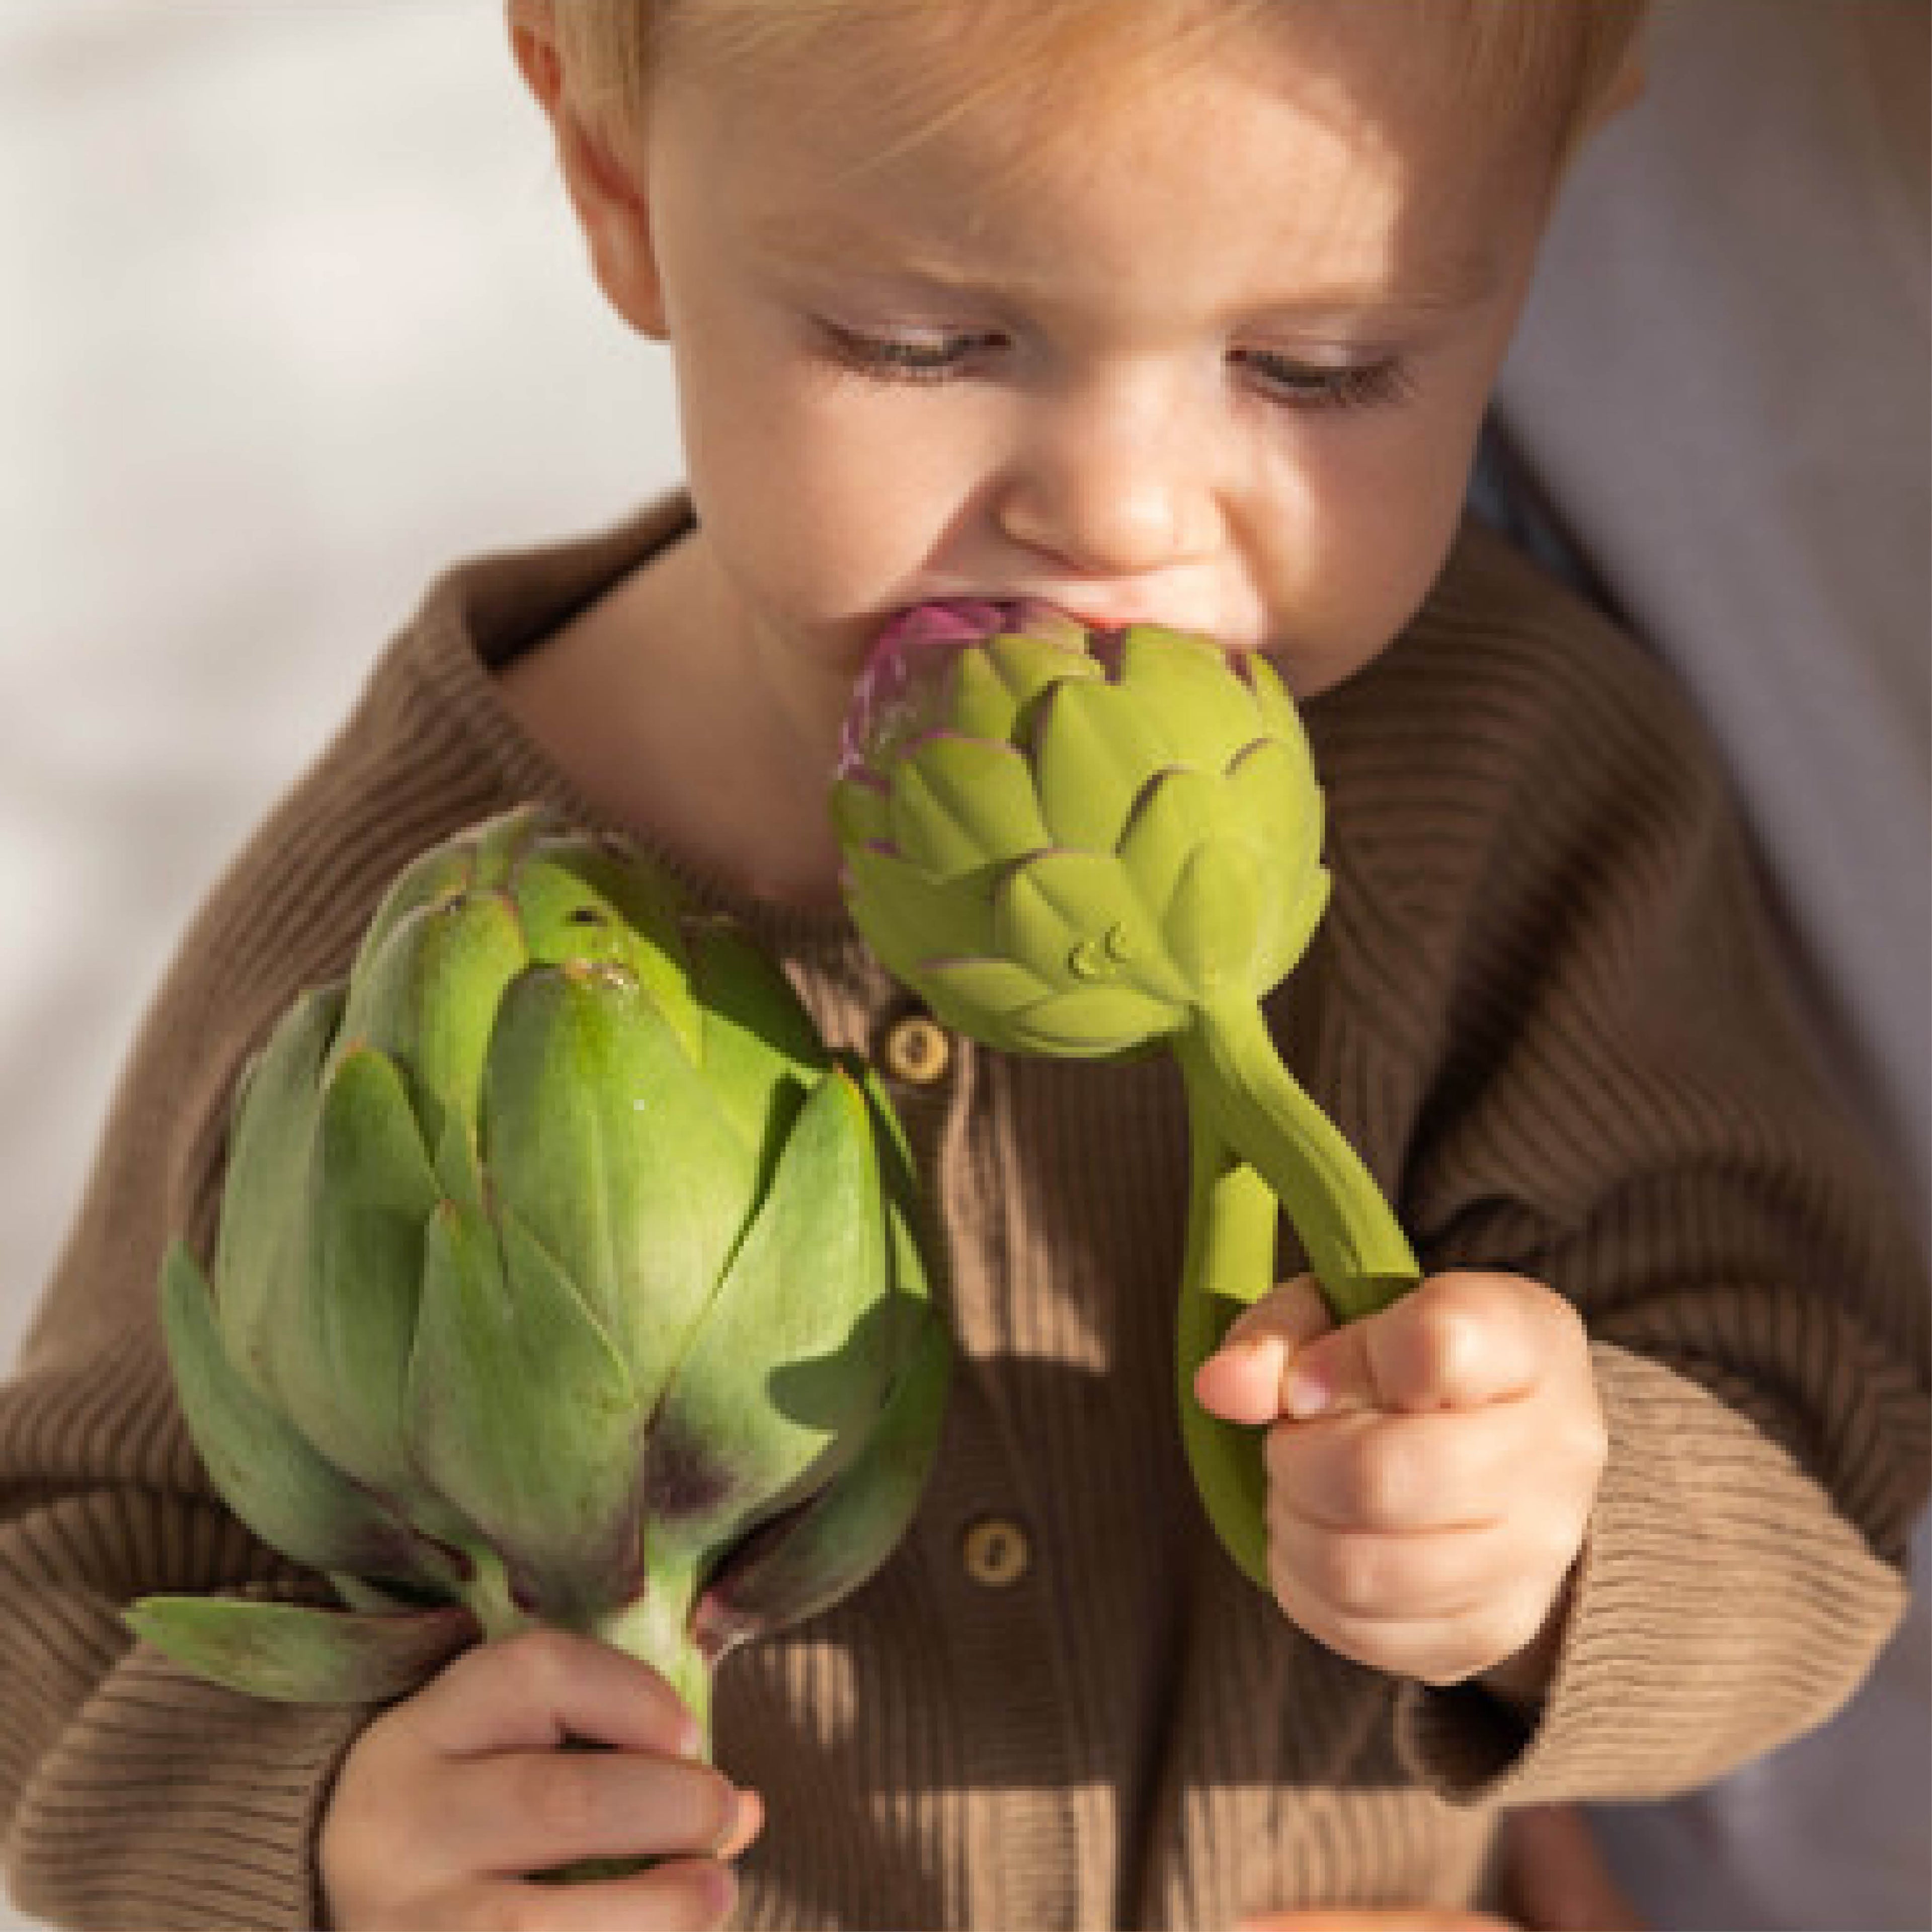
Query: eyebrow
(1435, 287)
(1447, 282)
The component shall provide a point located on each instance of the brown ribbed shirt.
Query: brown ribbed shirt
(1540, 1007)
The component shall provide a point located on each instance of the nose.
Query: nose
(1113, 482)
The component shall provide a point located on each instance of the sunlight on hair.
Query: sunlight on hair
(1551, 64)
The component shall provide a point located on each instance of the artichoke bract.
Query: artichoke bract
(562, 1277)
(1089, 843)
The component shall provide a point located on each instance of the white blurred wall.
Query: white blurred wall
(291, 315)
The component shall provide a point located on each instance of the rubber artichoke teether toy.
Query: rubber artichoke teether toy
(562, 1277)
(1085, 843)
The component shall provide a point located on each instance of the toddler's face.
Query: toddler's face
(1218, 363)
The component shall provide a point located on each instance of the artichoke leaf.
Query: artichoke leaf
(909, 918)
(761, 1053)
(1290, 929)
(429, 999)
(293, 1654)
(1272, 795)
(1280, 718)
(1184, 682)
(912, 1287)
(643, 900)
(1092, 748)
(499, 846)
(800, 1343)
(433, 878)
(1027, 665)
(981, 794)
(342, 1347)
(899, 1175)
(459, 1167)
(550, 1483)
(799, 1563)
(862, 811)
(1094, 1022)
(269, 1146)
(935, 826)
(984, 704)
(605, 1141)
(1178, 810)
(972, 994)
(1053, 914)
(1213, 923)
(565, 918)
(289, 1495)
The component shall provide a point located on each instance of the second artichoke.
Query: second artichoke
(563, 1277)
(1089, 843)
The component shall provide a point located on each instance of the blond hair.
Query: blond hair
(1554, 63)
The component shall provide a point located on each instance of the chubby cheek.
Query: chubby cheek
(1355, 556)
(825, 519)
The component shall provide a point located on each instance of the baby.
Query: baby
(1178, 310)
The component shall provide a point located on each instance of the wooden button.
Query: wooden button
(917, 1051)
(995, 1552)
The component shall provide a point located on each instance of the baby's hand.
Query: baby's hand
(449, 1800)
(1431, 1470)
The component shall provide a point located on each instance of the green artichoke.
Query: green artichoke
(1088, 843)
(562, 1277)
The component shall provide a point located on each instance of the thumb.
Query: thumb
(1241, 1381)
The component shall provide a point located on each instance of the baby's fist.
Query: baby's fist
(453, 1803)
(1431, 1469)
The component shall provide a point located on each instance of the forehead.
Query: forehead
(1506, 67)
(1281, 128)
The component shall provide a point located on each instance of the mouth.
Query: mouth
(949, 620)
(940, 620)
(1083, 626)
(893, 695)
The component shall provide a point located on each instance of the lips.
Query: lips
(949, 621)
(949, 617)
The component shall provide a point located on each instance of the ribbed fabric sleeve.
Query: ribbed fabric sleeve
(131, 1794)
(1538, 1006)
(1563, 929)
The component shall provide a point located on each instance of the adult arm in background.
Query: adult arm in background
(1716, 410)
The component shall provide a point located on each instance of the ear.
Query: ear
(607, 190)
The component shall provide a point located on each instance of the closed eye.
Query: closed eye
(1316, 385)
(945, 355)
(913, 355)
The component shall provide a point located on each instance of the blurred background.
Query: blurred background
(291, 315)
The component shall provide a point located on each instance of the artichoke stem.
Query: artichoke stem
(1234, 1076)
(656, 1628)
(1229, 1265)
(486, 1594)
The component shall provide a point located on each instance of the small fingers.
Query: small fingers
(1241, 1381)
(1356, 1573)
(536, 1691)
(515, 1813)
(1366, 1471)
(678, 1895)
(1456, 1341)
